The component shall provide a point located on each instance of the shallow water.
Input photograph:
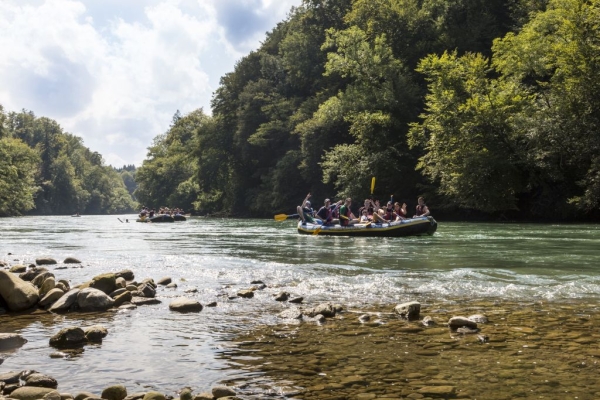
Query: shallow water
(151, 347)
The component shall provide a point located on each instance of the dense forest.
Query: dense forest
(488, 108)
(44, 170)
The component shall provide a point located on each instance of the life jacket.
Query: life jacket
(420, 209)
(345, 212)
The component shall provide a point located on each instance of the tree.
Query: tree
(18, 164)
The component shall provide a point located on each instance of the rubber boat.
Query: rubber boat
(156, 218)
(409, 227)
(179, 217)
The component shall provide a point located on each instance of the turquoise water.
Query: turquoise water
(153, 348)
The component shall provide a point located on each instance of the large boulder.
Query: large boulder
(41, 278)
(11, 341)
(18, 294)
(90, 299)
(71, 260)
(45, 261)
(184, 304)
(410, 310)
(47, 286)
(326, 309)
(41, 380)
(18, 268)
(105, 282)
(66, 301)
(95, 334)
(70, 336)
(122, 298)
(126, 274)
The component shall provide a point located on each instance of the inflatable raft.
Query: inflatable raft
(409, 227)
(156, 218)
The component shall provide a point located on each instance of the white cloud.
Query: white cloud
(114, 72)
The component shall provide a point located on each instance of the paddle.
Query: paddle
(120, 220)
(316, 232)
(372, 185)
(283, 217)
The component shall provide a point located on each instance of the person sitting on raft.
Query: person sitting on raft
(365, 216)
(326, 212)
(368, 207)
(399, 211)
(346, 216)
(422, 209)
(305, 212)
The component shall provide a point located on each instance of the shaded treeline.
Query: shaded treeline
(44, 170)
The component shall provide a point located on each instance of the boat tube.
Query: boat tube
(409, 227)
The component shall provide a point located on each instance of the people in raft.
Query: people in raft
(422, 209)
(328, 213)
(162, 211)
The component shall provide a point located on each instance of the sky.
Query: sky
(115, 72)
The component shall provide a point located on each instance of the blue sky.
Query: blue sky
(115, 71)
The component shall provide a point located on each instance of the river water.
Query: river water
(153, 348)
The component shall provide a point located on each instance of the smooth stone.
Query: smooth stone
(53, 395)
(458, 322)
(30, 393)
(184, 304)
(39, 280)
(32, 273)
(18, 294)
(409, 310)
(45, 261)
(291, 313)
(70, 336)
(10, 377)
(91, 299)
(437, 391)
(204, 396)
(121, 283)
(212, 304)
(135, 396)
(18, 269)
(66, 301)
(71, 260)
(147, 290)
(107, 283)
(327, 310)
(95, 334)
(296, 300)
(41, 380)
(428, 321)
(122, 299)
(186, 394)
(246, 293)
(478, 318)
(115, 392)
(51, 297)
(164, 281)
(47, 286)
(84, 395)
(141, 301)
(117, 292)
(154, 396)
(11, 341)
(171, 285)
(126, 274)
(222, 391)
(283, 296)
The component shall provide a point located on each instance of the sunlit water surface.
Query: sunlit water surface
(152, 347)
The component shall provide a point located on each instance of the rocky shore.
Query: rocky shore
(464, 349)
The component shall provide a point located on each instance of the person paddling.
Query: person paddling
(422, 209)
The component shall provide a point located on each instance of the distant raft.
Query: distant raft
(156, 218)
(409, 227)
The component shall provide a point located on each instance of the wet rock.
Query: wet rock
(45, 261)
(84, 395)
(141, 301)
(126, 274)
(53, 395)
(122, 299)
(222, 391)
(186, 394)
(10, 377)
(479, 319)
(71, 260)
(437, 391)
(65, 302)
(70, 336)
(246, 293)
(18, 294)
(154, 396)
(47, 286)
(149, 281)
(164, 281)
(296, 300)
(18, 269)
(41, 380)
(131, 288)
(90, 299)
(463, 330)
(117, 292)
(458, 322)
(120, 283)
(364, 318)
(327, 310)
(291, 313)
(428, 321)
(184, 304)
(283, 296)
(171, 285)
(32, 273)
(62, 287)
(115, 392)
(39, 280)
(483, 338)
(212, 304)
(135, 396)
(192, 290)
(65, 283)
(95, 334)
(30, 393)
(147, 290)
(409, 310)
(204, 396)
(106, 283)
(11, 341)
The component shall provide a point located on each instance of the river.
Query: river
(153, 348)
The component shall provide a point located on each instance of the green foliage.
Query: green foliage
(57, 174)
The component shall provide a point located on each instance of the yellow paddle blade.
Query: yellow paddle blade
(316, 232)
(372, 184)
(280, 217)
